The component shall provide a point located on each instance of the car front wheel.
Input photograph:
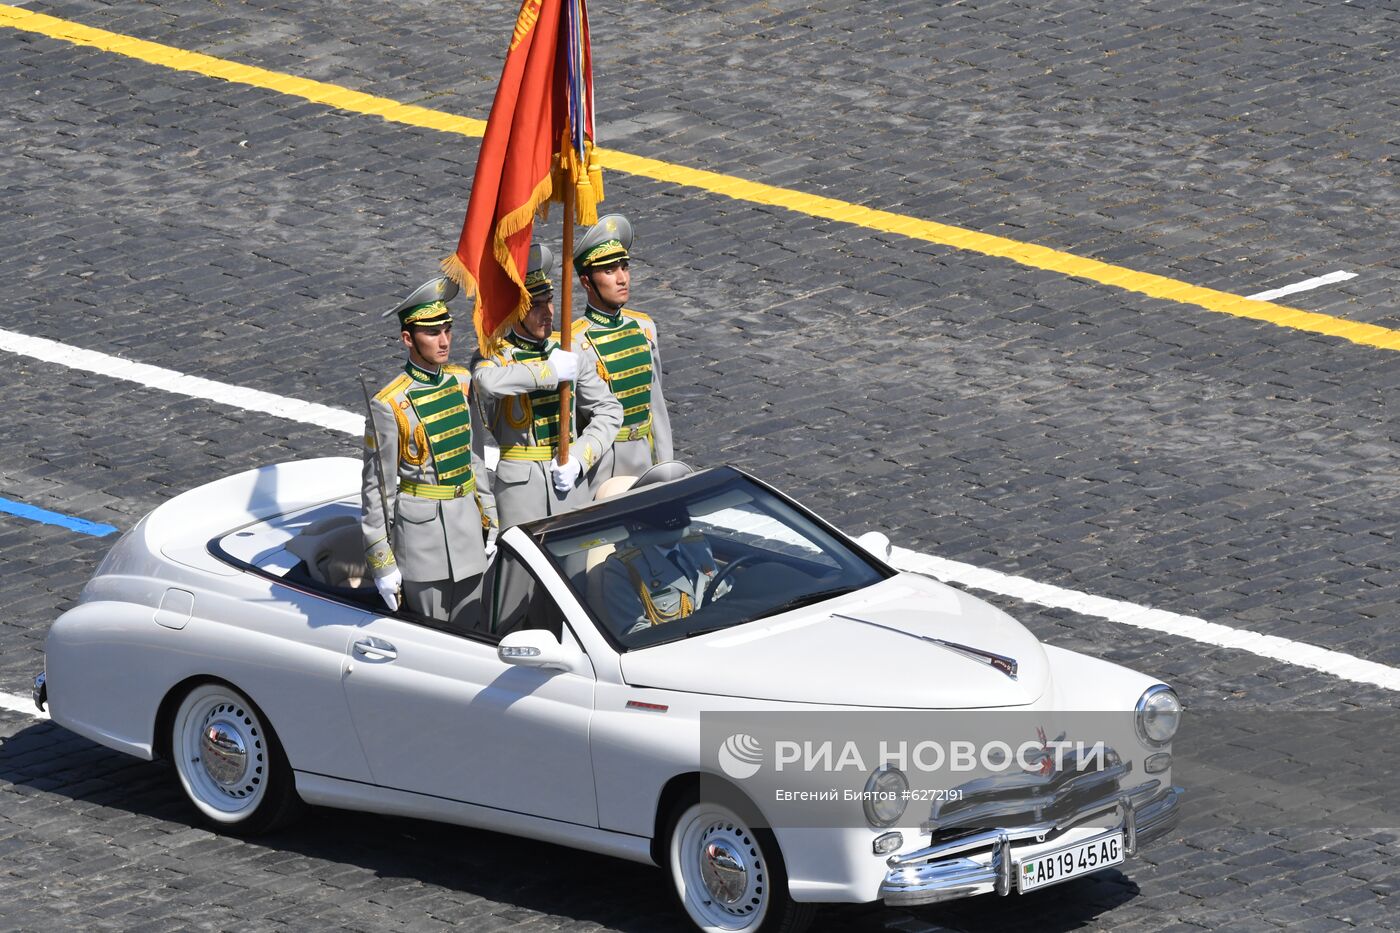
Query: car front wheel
(229, 762)
(729, 877)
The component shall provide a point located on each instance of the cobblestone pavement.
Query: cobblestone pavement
(973, 408)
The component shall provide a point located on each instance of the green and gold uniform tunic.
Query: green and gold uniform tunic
(420, 475)
(623, 349)
(518, 394)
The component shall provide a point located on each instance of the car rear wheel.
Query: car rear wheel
(727, 876)
(229, 762)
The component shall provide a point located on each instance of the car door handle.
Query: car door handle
(376, 649)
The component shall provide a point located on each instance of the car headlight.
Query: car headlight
(1158, 715)
(886, 796)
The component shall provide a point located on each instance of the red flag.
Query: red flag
(537, 148)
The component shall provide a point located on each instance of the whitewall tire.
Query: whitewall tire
(228, 761)
(727, 876)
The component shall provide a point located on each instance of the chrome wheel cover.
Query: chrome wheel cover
(224, 752)
(220, 751)
(719, 869)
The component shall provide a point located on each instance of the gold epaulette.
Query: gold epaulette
(580, 324)
(637, 315)
(456, 370)
(395, 386)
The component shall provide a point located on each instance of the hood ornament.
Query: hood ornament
(1001, 662)
(1008, 666)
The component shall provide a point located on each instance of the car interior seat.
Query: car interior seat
(333, 550)
(593, 571)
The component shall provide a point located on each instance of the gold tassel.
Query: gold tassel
(581, 179)
(595, 169)
(584, 203)
(590, 187)
(563, 170)
(595, 178)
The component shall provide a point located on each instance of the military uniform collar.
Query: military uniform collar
(425, 376)
(603, 318)
(521, 342)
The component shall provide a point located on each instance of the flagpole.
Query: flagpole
(566, 309)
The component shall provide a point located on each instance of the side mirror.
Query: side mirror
(538, 648)
(877, 543)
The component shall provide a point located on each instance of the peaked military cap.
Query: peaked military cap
(426, 306)
(541, 264)
(605, 243)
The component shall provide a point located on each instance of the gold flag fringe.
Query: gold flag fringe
(567, 175)
(453, 268)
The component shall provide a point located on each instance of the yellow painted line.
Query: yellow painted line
(318, 92)
(1026, 254)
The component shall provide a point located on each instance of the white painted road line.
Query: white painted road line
(1303, 286)
(169, 380)
(1273, 647)
(1298, 653)
(18, 704)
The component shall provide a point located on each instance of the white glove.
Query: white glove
(389, 585)
(565, 365)
(566, 474)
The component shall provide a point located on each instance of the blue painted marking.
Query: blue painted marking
(34, 514)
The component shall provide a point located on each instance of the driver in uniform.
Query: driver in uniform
(662, 574)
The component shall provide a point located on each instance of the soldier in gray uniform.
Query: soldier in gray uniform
(517, 389)
(423, 517)
(661, 574)
(622, 346)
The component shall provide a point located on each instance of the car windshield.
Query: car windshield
(704, 553)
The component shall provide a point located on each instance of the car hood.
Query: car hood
(873, 647)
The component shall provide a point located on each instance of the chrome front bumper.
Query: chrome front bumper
(984, 862)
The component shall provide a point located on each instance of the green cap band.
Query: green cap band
(428, 315)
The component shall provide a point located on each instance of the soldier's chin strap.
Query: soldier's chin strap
(526, 338)
(595, 300)
(605, 307)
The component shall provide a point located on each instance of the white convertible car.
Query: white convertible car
(231, 632)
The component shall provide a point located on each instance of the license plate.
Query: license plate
(1069, 862)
